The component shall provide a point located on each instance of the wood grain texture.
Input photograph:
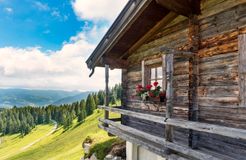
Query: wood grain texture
(218, 91)
(242, 69)
(169, 96)
(106, 113)
(201, 127)
(178, 148)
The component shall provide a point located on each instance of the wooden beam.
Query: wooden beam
(169, 95)
(115, 119)
(131, 138)
(235, 133)
(242, 68)
(173, 146)
(164, 74)
(106, 113)
(193, 77)
(182, 7)
(166, 50)
(115, 62)
(164, 22)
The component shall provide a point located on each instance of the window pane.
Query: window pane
(160, 83)
(152, 82)
(159, 72)
(152, 73)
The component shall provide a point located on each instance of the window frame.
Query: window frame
(147, 65)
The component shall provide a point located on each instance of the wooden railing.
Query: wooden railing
(185, 150)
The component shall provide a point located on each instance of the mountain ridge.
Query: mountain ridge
(26, 97)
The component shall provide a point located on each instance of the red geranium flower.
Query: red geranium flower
(151, 94)
(149, 86)
(139, 86)
(155, 84)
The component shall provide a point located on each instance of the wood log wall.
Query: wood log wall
(221, 22)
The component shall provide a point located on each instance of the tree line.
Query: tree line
(23, 119)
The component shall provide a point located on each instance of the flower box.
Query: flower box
(149, 94)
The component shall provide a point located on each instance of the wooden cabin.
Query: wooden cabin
(196, 50)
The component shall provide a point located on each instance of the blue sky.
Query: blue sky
(46, 23)
(44, 43)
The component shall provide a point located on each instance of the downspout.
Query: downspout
(92, 72)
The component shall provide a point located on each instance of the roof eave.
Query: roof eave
(127, 16)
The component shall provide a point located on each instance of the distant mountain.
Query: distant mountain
(70, 99)
(24, 97)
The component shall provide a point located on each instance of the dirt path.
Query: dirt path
(38, 140)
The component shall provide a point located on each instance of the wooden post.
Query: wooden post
(169, 96)
(242, 69)
(193, 80)
(124, 93)
(106, 114)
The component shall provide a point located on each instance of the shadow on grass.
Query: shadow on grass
(77, 125)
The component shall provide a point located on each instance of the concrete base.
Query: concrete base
(134, 152)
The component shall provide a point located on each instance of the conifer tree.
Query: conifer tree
(90, 105)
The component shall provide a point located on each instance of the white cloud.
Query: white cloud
(98, 9)
(62, 69)
(41, 6)
(57, 14)
(8, 10)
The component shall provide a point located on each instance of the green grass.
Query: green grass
(103, 146)
(13, 144)
(61, 145)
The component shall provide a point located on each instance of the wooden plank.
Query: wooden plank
(183, 7)
(131, 138)
(153, 61)
(115, 119)
(242, 68)
(139, 115)
(169, 96)
(124, 79)
(175, 52)
(173, 146)
(198, 126)
(165, 21)
(106, 113)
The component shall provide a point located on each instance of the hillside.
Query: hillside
(61, 145)
(75, 98)
(24, 97)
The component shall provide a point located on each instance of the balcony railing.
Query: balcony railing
(158, 144)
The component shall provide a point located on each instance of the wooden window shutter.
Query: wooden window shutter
(242, 69)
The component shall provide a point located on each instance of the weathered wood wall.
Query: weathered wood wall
(220, 24)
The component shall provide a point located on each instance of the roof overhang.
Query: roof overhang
(136, 20)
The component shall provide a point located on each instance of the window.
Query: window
(156, 75)
(154, 70)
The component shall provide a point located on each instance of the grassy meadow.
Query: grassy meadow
(60, 145)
